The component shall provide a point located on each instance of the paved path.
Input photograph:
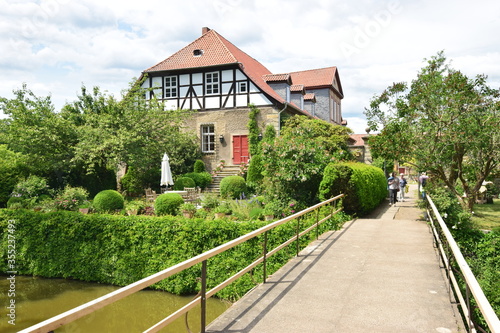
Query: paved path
(377, 274)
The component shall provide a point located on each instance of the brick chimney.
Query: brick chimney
(204, 30)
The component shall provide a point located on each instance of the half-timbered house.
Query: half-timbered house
(219, 81)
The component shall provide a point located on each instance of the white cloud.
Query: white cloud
(56, 45)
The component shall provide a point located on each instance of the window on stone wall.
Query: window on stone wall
(170, 86)
(212, 83)
(207, 138)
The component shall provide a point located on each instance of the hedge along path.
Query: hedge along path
(89, 307)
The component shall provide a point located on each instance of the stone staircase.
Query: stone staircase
(229, 170)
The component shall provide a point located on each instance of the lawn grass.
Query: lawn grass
(487, 216)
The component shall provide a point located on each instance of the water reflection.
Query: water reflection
(38, 299)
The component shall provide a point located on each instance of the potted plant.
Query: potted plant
(268, 213)
(209, 201)
(221, 211)
(85, 207)
(133, 207)
(187, 209)
(271, 209)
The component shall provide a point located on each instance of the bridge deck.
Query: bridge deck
(377, 274)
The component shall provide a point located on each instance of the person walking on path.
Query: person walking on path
(393, 184)
(402, 187)
(422, 181)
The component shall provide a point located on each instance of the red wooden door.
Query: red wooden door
(240, 149)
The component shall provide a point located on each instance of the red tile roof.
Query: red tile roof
(216, 51)
(277, 78)
(297, 88)
(358, 139)
(317, 78)
(310, 97)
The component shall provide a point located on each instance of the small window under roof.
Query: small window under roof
(198, 52)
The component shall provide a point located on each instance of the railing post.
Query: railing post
(297, 234)
(264, 262)
(317, 223)
(203, 295)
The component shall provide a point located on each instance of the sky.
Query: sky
(56, 46)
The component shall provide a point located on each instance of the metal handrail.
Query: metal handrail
(89, 307)
(471, 283)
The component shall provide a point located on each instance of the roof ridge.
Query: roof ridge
(315, 69)
(223, 43)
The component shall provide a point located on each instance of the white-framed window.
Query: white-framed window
(212, 83)
(170, 86)
(207, 138)
(242, 87)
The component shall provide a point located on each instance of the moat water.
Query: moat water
(38, 299)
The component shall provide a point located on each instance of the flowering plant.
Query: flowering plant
(71, 198)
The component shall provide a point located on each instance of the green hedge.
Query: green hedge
(120, 250)
(364, 185)
(168, 203)
(232, 187)
(108, 200)
(201, 179)
(183, 182)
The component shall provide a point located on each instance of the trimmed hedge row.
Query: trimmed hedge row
(120, 250)
(364, 185)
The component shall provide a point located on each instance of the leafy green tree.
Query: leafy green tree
(132, 132)
(444, 122)
(294, 162)
(33, 128)
(12, 170)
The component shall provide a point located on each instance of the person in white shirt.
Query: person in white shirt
(393, 185)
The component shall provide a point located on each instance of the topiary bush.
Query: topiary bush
(199, 166)
(364, 186)
(233, 187)
(168, 203)
(201, 179)
(108, 200)
(183, 182)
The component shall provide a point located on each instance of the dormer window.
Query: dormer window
(198, 52)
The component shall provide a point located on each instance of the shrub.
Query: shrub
(364, 186)
(201, 179)
(183, 182)
(168, 203)
(15, 202)
(233, 187)
(31, 188)
(108, 200)
(71, 198)
(199, 166)
(209, 201)
(132, 182)
(254, 173)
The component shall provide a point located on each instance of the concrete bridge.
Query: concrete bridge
(378, 274)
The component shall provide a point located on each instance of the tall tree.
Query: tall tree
(444, 122)
(36, 130)
(134, 131)
(294, 161)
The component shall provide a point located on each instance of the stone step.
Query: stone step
(227, 171)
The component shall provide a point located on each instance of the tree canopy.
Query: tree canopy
(95, 134)
(294, 161)
(443, 122)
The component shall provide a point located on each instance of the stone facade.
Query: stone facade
(228, 124)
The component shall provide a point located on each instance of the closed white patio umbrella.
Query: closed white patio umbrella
(166, 173)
